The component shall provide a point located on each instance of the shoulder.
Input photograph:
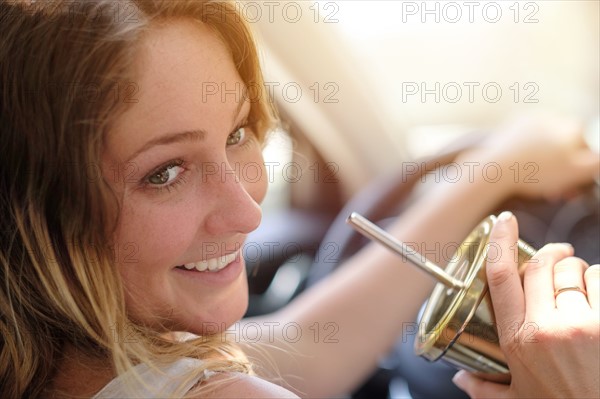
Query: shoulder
(237, 385)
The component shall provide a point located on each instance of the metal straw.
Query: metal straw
(374, 232)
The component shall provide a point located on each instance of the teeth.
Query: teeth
(201, 266)
(213, 265)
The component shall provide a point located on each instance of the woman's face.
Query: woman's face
(191, 177)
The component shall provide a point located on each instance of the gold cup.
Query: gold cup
(459, 326)
(458, 323)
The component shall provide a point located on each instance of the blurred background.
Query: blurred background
(366, 87)
(386, 81)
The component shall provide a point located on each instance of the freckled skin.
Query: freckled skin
(207, 212)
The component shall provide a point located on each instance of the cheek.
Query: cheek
(150, 241)
(158, 235)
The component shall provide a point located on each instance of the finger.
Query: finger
(539, 277)
(478, 388)
(592, 285)
(568, 273)
(502, 274)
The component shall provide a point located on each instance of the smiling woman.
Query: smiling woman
(123, 283)
(163, 146)
(175, 172)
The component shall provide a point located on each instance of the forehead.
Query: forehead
(178, 68)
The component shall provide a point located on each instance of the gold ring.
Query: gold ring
(574, 288)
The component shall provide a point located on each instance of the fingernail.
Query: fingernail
(566, 245)
(505, 216)
(459, 377)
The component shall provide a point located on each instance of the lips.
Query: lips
(211, 265)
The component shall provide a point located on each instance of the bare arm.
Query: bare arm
(368, 301)
(366, 304)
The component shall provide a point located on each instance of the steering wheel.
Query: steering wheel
(574, 220)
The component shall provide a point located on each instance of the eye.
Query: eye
(236, 137)
(166, 175)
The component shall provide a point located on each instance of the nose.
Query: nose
(234, 208)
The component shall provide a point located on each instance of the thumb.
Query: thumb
(502, 275)
(477, 388)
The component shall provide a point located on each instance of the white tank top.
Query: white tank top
(156, 383)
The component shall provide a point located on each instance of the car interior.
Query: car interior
(364, 89)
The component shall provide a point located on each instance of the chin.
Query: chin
(218, 323)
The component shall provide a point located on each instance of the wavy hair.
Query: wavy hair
(64, 73)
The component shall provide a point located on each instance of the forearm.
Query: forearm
(375, 294)
(449, 210)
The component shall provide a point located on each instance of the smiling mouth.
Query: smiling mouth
(210, 265)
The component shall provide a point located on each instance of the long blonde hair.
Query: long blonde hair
(65, 74)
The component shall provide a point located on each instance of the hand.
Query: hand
(541, 156)
(552, 345)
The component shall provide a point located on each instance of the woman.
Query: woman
(118, 181)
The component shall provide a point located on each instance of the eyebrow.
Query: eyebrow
(188, 135)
